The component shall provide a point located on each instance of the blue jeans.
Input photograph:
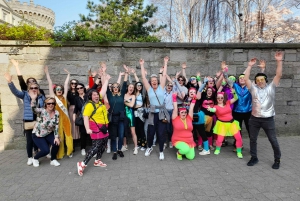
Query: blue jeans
(268, 125)
(159, 128)
(43, 144)
(117, 130)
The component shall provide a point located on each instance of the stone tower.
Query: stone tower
(39, 15)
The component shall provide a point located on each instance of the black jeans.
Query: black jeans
(240, 117)
(83, 136)
(268, 125)
(29, 143)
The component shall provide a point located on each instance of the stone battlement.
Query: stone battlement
(40, 15)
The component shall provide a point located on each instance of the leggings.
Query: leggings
(185, 149)
(83, 136)
(159, 128)
(98, 147)
(29, 143)
(237, 136)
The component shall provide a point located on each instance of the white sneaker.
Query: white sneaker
(35, 162)
(83, 152)
(148, 151)
(204, 152)
(135, 152)
(211, 148)
(170, 145)
(108, 150)
(124, 148)
(143, 149)
(71, 155)
(95, 155)
(165, 145)
(55, 163)
(29, 162)
(48, 156)
(161, 156)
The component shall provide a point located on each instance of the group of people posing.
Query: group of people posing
(174, 110)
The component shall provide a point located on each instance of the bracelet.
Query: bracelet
(99, 78)
(159, 73)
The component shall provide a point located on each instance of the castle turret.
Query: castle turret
(40, 15)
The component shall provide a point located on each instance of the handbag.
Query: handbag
(29, 125)
(165, 120)
(103, 129)
(79, 121)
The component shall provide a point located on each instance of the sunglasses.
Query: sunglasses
(52, 103)
(79, 88)
(180, 80)
(170, 85)
(58, 89)
(36, 88)
(193, 78)
(73, 83)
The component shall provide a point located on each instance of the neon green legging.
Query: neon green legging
(185, 149)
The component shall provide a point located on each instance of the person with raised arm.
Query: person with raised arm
(182, 137)
(263, 109)
(59, 92)
(22, 82)
(96, 125)
(158, 114)
(117, 112)
(225, 124)
(28, 116)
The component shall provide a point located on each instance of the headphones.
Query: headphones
(261, 74)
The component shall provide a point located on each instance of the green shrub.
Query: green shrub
(23, 32)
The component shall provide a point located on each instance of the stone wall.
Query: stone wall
(206, 58)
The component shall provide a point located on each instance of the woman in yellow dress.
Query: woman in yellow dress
(60, 92)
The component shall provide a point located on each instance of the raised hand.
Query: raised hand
(205, 80)
(223, 65)
(177, 74)
(132, 70)
(252, 62)
(198, 74)
(279, 56)
(66, 71)
(8, 77)
(142, 62)
(183, 65)
(262, 64)
(166, 59)
(126, 68)
(14, 62)
(122, 73)
(103, 66)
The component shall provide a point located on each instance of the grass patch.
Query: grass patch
(1, 125)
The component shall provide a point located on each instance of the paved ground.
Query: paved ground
(223, 177)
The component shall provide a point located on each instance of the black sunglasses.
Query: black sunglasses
(79, 88)
(52, 103)
(34, 88)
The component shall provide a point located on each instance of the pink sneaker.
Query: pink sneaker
(80, 168)
(99, 163)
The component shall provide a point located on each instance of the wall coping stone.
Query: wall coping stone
(157, 45)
